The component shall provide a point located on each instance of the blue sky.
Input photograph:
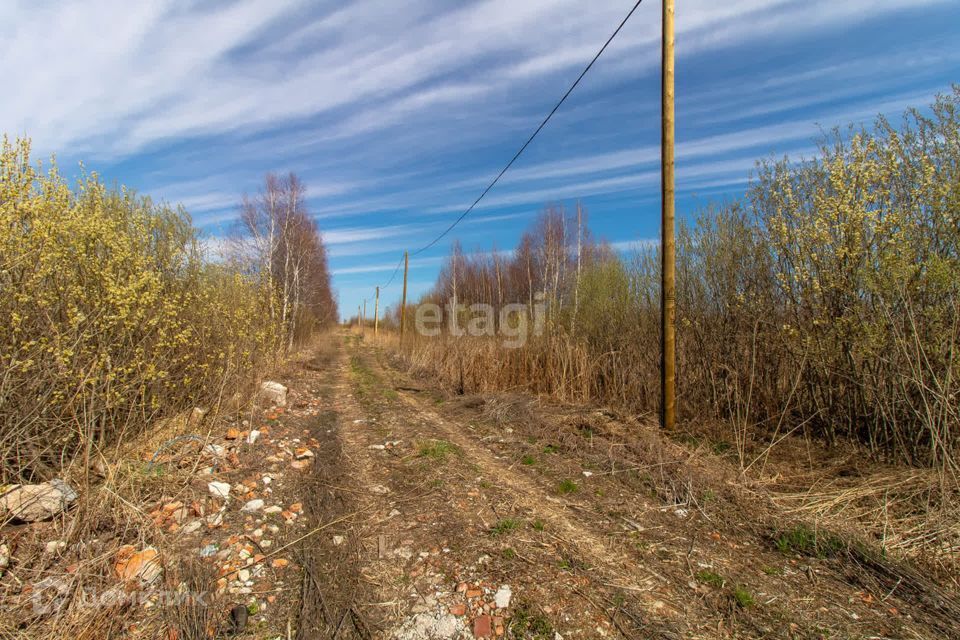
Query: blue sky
(397, 113)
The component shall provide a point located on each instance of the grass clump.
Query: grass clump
(527, 623)
(361, 372)
(710, 578)
(742, 597)
(505, 526)
(528, 460)
(808, 542)
(566, 487)
(437, 450)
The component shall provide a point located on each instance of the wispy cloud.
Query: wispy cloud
(396, 115)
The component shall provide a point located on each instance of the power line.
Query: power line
(522, 148)
(394, 275)
(533, 135)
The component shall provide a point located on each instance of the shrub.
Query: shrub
(110, 318)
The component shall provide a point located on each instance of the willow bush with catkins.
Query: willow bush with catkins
(110, 318)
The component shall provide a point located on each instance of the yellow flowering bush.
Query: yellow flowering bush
(828, 300)
(109, 316)
(865, 246)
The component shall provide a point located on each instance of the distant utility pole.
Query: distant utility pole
(376, 314)
(668, 399)
(403, 303)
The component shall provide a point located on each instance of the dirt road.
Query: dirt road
(456, 517)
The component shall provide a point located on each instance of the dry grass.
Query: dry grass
(116, 496)
(903, 510)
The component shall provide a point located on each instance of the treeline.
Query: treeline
(824, 301)
(111, 316)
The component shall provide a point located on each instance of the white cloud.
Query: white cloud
(392, 111)
(114, 77)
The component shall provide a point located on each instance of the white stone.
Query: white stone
(219, 489)
(254, 505)
(54, 546)
(425, 626)
(502, 597)
(273, 509)
(253, 436)
(191, 527)
(33, 502)
(274, 392)
(243, 575)
(338, 540)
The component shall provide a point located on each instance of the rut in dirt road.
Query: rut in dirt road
(332, 595)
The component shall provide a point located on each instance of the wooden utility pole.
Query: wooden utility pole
(376, 314)
(363, 321)
(668, 399)
(403, 302)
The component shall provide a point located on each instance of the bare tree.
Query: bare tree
(276, 238)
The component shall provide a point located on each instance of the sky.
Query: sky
(398, 113)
